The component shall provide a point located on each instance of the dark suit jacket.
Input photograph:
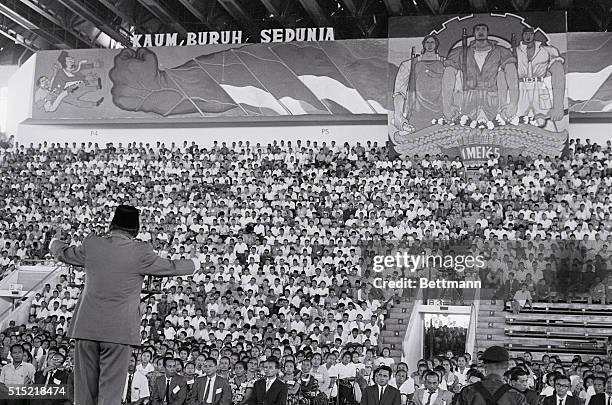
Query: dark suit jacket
(531, 396)
(222, 392)
(108, 309)
(276, 395)
(390, 397)
(568, 400)
(63, 377)
(159, 390)
(598, 399)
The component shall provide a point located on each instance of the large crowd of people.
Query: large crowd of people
(286, 234)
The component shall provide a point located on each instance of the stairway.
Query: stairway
(491, 325)
(395, 328)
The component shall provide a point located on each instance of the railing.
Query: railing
(36, 262)
(470, 339)
(10, 269)
(25, 262)
(411, 352)
(22, 309)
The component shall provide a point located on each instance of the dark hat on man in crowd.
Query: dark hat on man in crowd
(126, 217)
(495, 354)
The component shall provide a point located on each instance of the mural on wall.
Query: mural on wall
(589, 78)
(255, 80)
(479, 85)
(69, 81)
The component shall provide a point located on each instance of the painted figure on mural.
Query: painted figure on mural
(536, 61)
(70, 82)
(417, 96)
(487, 80)
(44, 96)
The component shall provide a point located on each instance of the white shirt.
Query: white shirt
(269, 382)
(211, 389)
(381, 391)
(140, 387)
(407, 386)
(345, 371)
(462, 375)
(145, 370)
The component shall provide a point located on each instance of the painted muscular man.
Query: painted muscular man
(536, 61)
(491, 81)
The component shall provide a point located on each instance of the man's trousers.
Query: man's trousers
(100, 371)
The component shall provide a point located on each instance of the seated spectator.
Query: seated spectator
(521, 299)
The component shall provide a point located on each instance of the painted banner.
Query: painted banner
(589, 79)
(253, 80)
(481, 82)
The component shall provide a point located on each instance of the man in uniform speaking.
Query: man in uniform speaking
(492, 390)
(106, 321)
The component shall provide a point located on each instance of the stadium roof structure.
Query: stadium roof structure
(31, 25)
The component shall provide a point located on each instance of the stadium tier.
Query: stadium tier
(286, 236)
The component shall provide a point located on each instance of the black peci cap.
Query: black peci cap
(126, 217)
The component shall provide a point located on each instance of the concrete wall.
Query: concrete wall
(203, 136)
(20, 91)
(6, 72)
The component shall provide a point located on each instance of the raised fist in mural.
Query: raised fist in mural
(140, 85)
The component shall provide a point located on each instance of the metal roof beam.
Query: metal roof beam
(124, 17)
(81, 40)
(82, 8)
(164, 14)
(395, 7)
(190, 5)
(351, 6)
(37, 24)
(315, 12)
(9, 29)
(236, 10)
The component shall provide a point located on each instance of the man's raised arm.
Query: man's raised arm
(73, 255)
(154, 265)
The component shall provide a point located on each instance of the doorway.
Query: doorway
(444, 333)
